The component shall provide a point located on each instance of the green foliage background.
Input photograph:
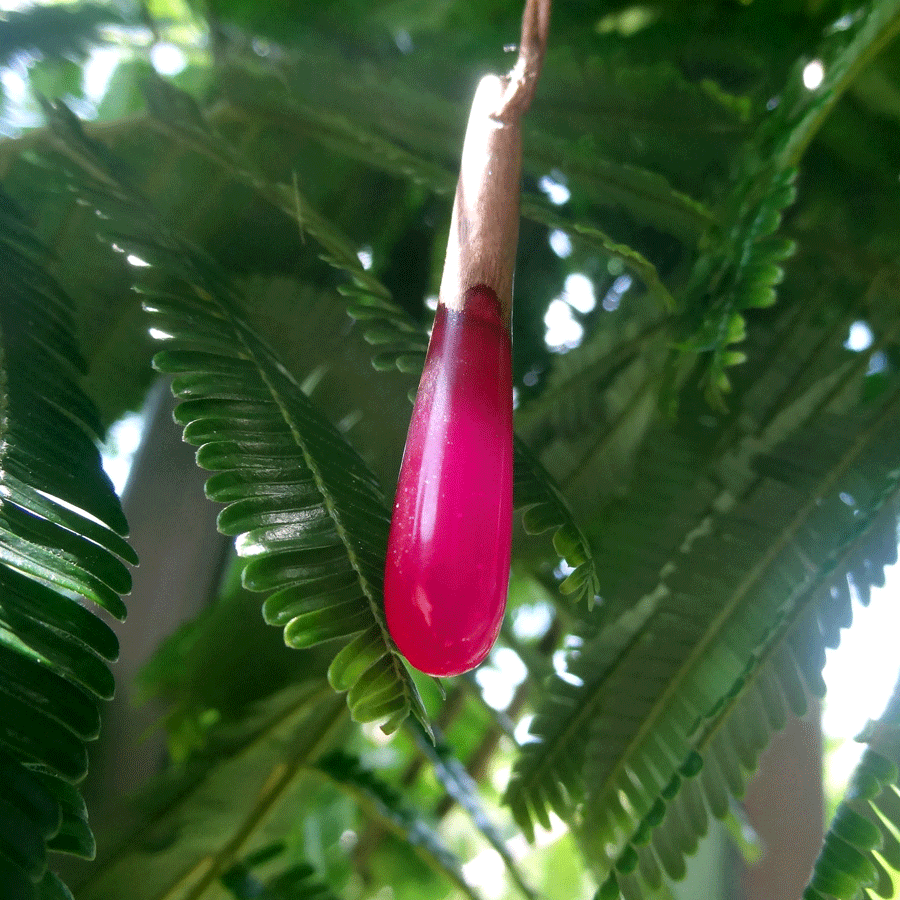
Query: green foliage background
(706, 471)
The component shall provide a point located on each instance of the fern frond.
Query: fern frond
(402, 342)
(544, 508)
(844, 53)
(739, 272)
(626, 103)
(646, 195)
(742, 266)
(306, 511)
(643, 533)
(861, 853)
(590, 236)
(176, 114)
(720, 612)
(782, 674)
(302, 503)
(575, 395)
(679, 490)
(273, 102)
(60, 542)
(381, 803)
(594, 414)
(649, 694)
(548, 773)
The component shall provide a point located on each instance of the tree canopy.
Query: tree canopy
(252, 201)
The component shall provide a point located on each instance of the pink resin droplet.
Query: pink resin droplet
(448, 553)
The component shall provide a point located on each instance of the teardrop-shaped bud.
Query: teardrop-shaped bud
(449, 548)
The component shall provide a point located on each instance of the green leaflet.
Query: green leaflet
(307, 512)
(861, 848)
(738, 272)
(543, 508)
(60, 539)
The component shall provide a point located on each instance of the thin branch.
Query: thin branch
(478, 763)
(522, 80)
(480, 760)
(484, 226)
(138, 837)
(280, 779)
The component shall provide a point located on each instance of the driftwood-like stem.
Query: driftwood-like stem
(446, 573)
(484, 229)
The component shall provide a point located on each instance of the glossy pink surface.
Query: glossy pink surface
(448, 553)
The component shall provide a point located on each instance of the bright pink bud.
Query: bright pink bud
(448, 553)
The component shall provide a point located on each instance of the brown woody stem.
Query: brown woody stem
(484, 228)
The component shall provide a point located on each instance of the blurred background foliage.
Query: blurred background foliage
(707, 390)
